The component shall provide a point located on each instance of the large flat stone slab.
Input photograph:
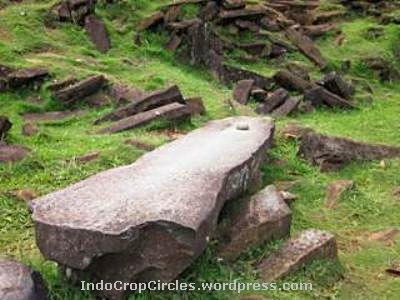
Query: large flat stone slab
(308, 246)
(264, 217)
(18, 282)
(151, 219)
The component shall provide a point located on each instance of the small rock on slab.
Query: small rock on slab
(125, 94)
(291, 81)
(308, 246)
(97, 33)
(335, 191)
(262, 218)
(242, 91)
(174, 111)
(5, 126)
(12, 153)
(333, 153)
(18, 282)
(152, 219)
(24, 194)
(77, 92)
(30, 129)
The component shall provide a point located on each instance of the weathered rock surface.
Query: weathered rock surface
(319, 95)
(97, 33)
(308, 246)
(242, 91)
(275, 100)
(5, 126)
(30, 129)
(262, 218)
(18, 282)
(171, 112)
(12, 153)
(286, 108)
(335, 191)
(77, 92)
(195, 106)
(147, 102)
(150, 220)
(333, 153)
(25, 77)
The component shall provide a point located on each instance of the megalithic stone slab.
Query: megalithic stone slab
(152, 219)
(242, 91)
(174, 111)
(308, 246)
(264, 217)
(147, 102)
(18, 282)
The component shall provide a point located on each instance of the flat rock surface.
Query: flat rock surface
(309, 245)
(264, 217)
(18, 282)
(151, 219)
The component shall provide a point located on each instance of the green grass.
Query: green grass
(24, 41)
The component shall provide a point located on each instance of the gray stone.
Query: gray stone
(18, 282)
(286, 108)
(308, 246)
(264, 217)
(152, 219)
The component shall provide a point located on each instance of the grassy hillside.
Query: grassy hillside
(370, 207)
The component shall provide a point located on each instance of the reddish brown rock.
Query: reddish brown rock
(77, 92)
(140, 145)
(152, 219)
(18, 282)
(242, 91)
(195, 106)
(335, 191)
(265, 216)
(286, 108)
(147, 102)
(306, 46)
(333, 153)
(171, 112)
(25, 77)
(125, 94)
(12, 153)
(319, 95)
(30, 129)
(308, 246)
(97, 33)
(291, 81)
(5, 126)
(273, 101)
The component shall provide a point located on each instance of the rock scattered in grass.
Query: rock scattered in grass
(25, 195)
(12, 153)
(30, 129)
(335, 191)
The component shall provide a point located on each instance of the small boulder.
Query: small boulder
(12, 153)
(242, 91)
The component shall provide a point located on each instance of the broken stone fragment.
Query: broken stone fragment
(242, 91)
(195, 106)
(273, 101)
(5, 126)
(286, 108)
(318, 95)
(97, 33)
(334, 83)
(18, 282)
(25, 77)
(159, 212)
(335, 191)
(265, 216)
(12, 153)
(291, 81)
(78, 91)
(333, 153)
(306, 46)
(147, 102)
(30, 129)
(171, 112)
(310, 245)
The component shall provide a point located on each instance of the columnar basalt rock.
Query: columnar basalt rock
(152, 219)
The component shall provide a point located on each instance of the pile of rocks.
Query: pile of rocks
(275, 29)
(167, 104)
(82, 13)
